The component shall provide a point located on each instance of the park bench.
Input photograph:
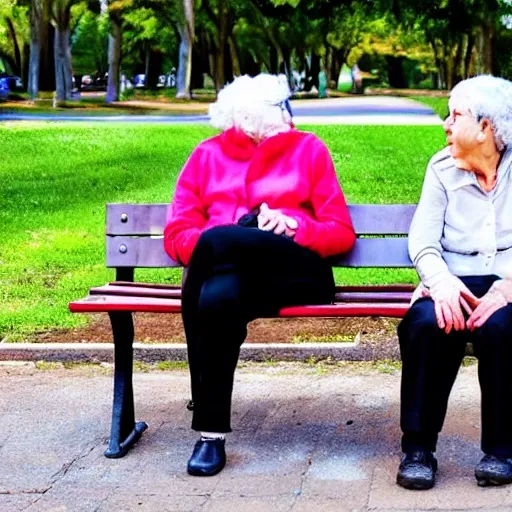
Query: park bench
(134, 239)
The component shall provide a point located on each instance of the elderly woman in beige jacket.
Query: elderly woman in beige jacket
(461, 245)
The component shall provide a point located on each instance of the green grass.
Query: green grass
(438, 105)
(56, 178)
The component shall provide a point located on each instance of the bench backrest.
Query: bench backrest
(135, 236)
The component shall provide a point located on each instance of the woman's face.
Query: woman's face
(462, 131)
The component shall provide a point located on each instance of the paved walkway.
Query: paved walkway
(304, 440)
(360, 110)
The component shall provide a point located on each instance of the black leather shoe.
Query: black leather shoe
(417, 470)
(208, 457)
(492, 470)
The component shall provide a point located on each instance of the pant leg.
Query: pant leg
(430, 362)
(237, 274)
(493, 348)
(222, 328)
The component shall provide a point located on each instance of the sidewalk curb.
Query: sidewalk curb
(258, 352)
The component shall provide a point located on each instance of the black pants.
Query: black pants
(431, 360)
(237, 274)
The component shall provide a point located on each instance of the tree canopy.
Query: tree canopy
(400, 41)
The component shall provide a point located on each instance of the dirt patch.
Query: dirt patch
(151, 328)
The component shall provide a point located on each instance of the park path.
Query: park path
(358, 110)
(306, 438)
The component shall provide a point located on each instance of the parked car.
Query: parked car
(94, 82)
(10, 82)
(139, 81)
(4, 89)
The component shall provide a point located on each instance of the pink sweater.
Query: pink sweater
(229, 175)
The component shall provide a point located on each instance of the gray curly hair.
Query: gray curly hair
(489, 97)
(254, 105)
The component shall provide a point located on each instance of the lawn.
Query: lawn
(438, 105)
(56, 179)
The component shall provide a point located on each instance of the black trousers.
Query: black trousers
(237, 274)
(431, 360)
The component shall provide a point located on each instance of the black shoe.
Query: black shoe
(417, 470)
(492, 470)
(208, 457)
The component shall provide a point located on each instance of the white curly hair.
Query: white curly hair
(254, 105)
(489, 97)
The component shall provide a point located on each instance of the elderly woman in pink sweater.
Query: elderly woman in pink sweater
(256, 211)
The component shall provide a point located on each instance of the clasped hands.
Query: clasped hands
(276, 221)
(451, 296)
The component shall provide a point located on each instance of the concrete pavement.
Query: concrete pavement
(306, 438)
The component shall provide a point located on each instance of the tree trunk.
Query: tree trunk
(287, 65)
(273, 58)
(469, 54)
(457, 61)
(147, 59)
(186, 31)
(26, 59)
(47, 59)
(36, 16)
(46, 40)
(488, 53)
(276, 53)
(63, 72)
(235, 60)
(396, 72)
(184, 65)
(114, 60)
(154, 69)
(200, 63)
(221, 47)
(315, 69)
(336, 63)
(18, 70)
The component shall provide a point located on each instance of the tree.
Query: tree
(89, 44)
(14, 37)
(115, 11)
(186, 28)
(36, 21)
(61, 17)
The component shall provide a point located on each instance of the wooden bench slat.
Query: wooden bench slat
(175, 293)
(339, 288)
(137, 291)
(376, 253)
(150, 219)
(109, 303)
(124, 251)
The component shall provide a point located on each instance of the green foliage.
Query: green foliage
(383, 36)
(149, 28)
(53, 204)
(89, 43)
(13, 15)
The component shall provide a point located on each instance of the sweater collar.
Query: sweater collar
(239, 146)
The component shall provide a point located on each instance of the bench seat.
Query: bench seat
(350, 301)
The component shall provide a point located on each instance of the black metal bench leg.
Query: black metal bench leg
(124, 431)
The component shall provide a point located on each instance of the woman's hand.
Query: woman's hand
(451, 296)
(274, 220)
(498, 296)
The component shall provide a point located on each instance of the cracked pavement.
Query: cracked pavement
(305, 438)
